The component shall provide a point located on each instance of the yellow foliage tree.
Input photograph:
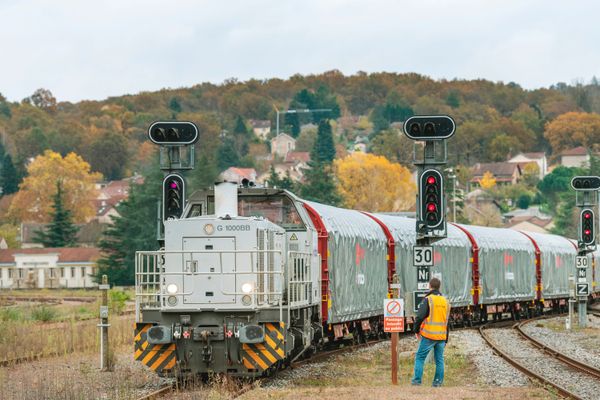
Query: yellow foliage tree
(33, 201)
(573, 129)
(372, 183)
(488, 180)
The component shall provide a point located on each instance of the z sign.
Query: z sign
(583, 289)
(423, 256)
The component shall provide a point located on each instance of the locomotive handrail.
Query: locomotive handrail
(150, 288)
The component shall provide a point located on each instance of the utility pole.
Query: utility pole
(296, 111)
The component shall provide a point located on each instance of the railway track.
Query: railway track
(569, 377)
(168, 388)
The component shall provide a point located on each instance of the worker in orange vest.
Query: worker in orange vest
(432, 325)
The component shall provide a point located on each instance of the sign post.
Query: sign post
(393, 322)
(104, 325)
(586, 191)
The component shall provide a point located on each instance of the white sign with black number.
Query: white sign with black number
(583, 289)
(581, 262)
(423, 256)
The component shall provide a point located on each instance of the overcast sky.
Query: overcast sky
(95, 49)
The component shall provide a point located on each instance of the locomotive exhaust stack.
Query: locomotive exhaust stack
(226, 199)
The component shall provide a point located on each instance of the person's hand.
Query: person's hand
(417, 336)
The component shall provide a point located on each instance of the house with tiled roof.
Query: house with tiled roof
(576, 157)
(236, 174)
(537, 157)
(110, 194)
(505, 173)
(531, 224)
(65, 267)
(88, 235)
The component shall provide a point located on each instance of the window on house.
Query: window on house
(21, 273)
(62, 272)
(51, 272)
(10, 273)
(72, 272)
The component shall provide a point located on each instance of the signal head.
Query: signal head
(587, 227)
(173, 196)
(431, 198)
(173, 133)
(585, 183)
(434, 127)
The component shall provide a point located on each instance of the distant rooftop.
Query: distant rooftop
(577, 151)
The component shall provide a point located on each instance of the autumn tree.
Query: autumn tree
(33, 202)
(573, 129)
(60, 232)
(43, 98)
(372, 183)
(488, 180)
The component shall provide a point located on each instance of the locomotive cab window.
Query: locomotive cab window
(278, 209)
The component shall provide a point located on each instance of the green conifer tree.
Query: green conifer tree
(227, 155)
(60, 232)
(9, 177)
(324, 148)
(134, 229)
(320, 185)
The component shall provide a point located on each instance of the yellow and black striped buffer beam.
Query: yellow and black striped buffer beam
(157, 357)
(261, 356)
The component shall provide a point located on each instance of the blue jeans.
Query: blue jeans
(425, 347)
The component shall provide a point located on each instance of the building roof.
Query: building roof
(295, 156)
(534, 155)
(283, 136)
(87, 233)
(577, 151)
(248, 173)
(541, 222)
(499, 169)
(65, 254)
(259, 123)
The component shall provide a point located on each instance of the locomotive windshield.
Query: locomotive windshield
(278, 209)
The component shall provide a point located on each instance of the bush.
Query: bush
(524, 201)
(43, 313)
(10, 314)
(117, 299)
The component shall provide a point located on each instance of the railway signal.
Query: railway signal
(431, 195)
(432, 127)
(585, 183)
(173, 196)
(587, 232)
(175, 133)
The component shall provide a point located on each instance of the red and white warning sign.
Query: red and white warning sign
(393, 315)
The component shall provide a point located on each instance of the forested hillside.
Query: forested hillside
(495, 120)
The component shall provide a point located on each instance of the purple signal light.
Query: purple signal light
(173, 185)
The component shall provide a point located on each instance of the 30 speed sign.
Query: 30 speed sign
(423, 256)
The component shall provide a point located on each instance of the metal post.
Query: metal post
(571, 300)
(582, 311)
(454, 198)
(103, 325)
(395, 295)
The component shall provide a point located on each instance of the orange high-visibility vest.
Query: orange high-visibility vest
(435, 325)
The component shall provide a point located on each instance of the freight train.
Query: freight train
(250, 279)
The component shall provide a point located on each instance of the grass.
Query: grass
(27, 339)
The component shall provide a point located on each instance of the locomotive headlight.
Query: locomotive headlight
(247, 287)
(246, 300)
(172, 288)
(172, 301)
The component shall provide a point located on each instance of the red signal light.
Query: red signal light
(173, 185)
(587, 215)
(431, 207)
(430, 180)
(587, 231)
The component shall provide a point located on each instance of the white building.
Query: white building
(66, 267)
(538, 158)
(282, 144)
(235, 174)
(577, 157)
(261, 128)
